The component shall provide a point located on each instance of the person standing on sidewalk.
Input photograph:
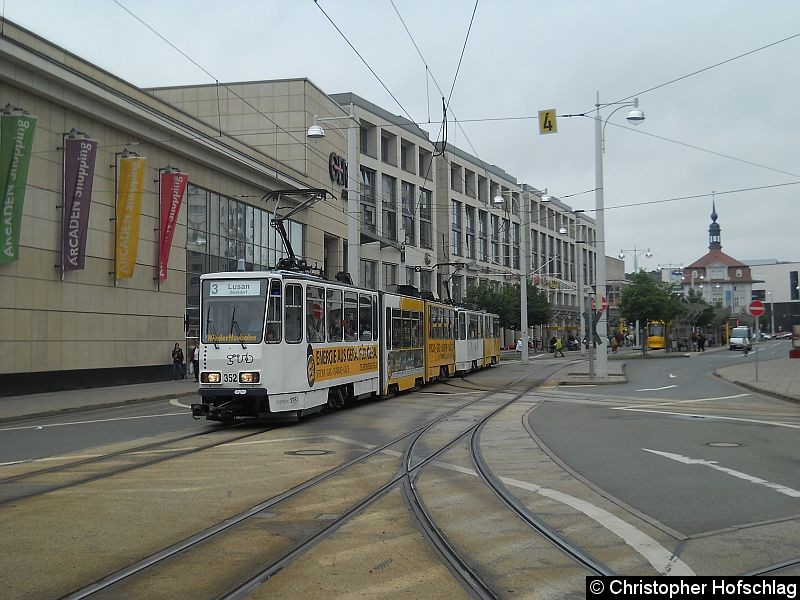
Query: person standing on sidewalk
(177, 363)
(195, 356)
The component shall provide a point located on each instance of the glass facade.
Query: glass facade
(225, 234)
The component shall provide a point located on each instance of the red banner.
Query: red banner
(173, 188)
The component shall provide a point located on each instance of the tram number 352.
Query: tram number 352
(230, 377)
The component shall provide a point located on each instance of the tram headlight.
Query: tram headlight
(249, 377)
(210, 377)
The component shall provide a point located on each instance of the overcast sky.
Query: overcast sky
(522, 57)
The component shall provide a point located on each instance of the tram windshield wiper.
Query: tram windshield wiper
(235, 323)
(210, 329)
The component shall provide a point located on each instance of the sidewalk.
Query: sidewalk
(778, 377)
(14, 408)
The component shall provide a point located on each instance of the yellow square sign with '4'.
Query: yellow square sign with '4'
(547, 121)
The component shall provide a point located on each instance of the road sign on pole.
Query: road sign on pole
(756, 308)
(547, 121)
(603, 304)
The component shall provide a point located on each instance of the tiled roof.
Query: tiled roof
(716, 256)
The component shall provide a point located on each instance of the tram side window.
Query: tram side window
(433, 323)
(473, 327)
(365, 317)
(388, 328)
(416, 329)
(452, 321)
(462, 326)
(273, 333)
(397, 329)
(350, 317)
(334, 315)
(375, 323)
(315, 314)
(293, 312)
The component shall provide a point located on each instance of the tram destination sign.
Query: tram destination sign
(238, 287)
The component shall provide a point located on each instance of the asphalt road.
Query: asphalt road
(61, 434)
(691, 451)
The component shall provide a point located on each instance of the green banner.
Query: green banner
(16, 140)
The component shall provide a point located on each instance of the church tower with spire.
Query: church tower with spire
(714, 237)
(719, 279)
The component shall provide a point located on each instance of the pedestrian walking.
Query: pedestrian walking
(701, 342)
(559, 347)
(177, 363)
(196, 362)
(519, 346)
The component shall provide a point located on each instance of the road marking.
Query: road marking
(176, 402)
(720, 417)
(782, 489)
(671, 376)
(666, 387)
(678, 402)
(93, 421)
(578, 385)
(664, 561)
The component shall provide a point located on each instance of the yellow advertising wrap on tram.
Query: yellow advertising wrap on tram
(341, 361)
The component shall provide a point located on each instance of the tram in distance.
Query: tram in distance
(287, 344)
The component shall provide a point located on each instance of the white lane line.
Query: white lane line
(782, 489)
(678, 402)
(176, 402)
(270, 441)
(663, 561)
(666, 387)
(183, 413)
(717, 417)
(578, 385)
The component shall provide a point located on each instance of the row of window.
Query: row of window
(331, 315)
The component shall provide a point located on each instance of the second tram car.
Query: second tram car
(283, 343)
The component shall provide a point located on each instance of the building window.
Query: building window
(409, 234)
(368, 268)
(389, 207)
(738, 273)
(367, 187)
(469, 239)
(456, 179)
(389, 277)
(456, 227)
(483, 241)
(425, 281)
(425, 225)
(496, 239)
(411, 278)
(506, 243)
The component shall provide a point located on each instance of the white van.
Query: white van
(740, 337)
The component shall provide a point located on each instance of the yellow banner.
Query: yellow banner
(341, 361)
(129, 212)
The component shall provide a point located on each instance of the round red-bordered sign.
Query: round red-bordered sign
(756, 308)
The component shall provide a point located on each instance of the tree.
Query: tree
(647, 300)
(505, 303)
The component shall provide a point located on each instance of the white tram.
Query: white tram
(283, 343)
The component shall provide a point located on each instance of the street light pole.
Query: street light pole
(635, 116)
(771, 315)
(601, 368)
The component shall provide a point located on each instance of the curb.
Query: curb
(759, 390)
(86, 408)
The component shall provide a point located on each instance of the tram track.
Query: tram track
(162, 565)
(50, 479)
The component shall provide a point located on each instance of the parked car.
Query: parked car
(764, 336)
(782, 335)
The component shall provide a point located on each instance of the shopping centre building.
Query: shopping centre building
(132, 194)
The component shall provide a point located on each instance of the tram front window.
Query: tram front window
(233, 311)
